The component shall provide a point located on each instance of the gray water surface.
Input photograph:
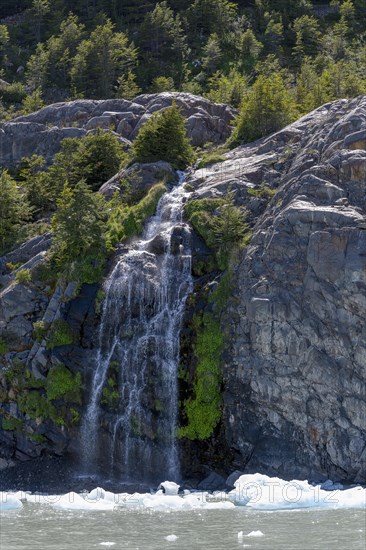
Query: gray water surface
(43, 528)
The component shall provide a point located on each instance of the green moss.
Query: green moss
(37, 438)
(62, 384)
(12, 424)
(60, 334)
(203, 410)
(110, 394)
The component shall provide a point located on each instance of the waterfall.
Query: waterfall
(134, 386)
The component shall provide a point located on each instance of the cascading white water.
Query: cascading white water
(140, 332)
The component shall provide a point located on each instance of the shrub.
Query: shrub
(61, 383)
(23, 276)
(128, 221)
(15, 93)
(12, 424)
(60, 334)
(164, 137)
(4, 348)
(39, 330)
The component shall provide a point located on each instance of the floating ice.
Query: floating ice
(107, 543)
(240, 536)
(171, 538)
(255, 534)
(9, 501)
(73, 501)
(256, 491)
(271, 493)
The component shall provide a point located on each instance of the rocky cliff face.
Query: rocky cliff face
(42, 132)
(295, 361)
(294, 399)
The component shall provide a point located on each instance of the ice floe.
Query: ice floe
(252, 491)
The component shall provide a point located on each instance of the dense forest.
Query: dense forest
(290, 55)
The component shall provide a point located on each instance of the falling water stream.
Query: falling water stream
(138, 351)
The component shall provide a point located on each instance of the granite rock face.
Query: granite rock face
(295, 370)
(42, 132)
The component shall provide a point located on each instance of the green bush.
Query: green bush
(60, 334)
(164, 137)
(23, 276)
(61, 383)
(221, 225)
(36, 405)
(128, 221)
(39, 330)
(12, 424)
(15, 93)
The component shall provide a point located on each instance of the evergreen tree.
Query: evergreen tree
(78, 225)
(268, 107)
(100, 61)
(164, 137)
(14, 211)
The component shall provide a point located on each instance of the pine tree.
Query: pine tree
(14, 211)
(268, 107)
(78, 224)
(164, 137)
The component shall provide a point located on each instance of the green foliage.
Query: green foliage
(4, 348)
(33, 102)
(79, 228)
(14, 212)
(262, 192)
(162, 84)
(127, 87)
(203, 410)
(230, 89)
(268, 107)
(62, 384)
(36, 406)
(15, 93)
(128, 221)
(39, 331)
(213, 155)
(100, 60)
(12, 424)
(60, 334)
(23, 276)
(97, 158)
(221, 225)
(163, 137)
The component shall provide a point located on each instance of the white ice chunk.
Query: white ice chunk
(271, 493)
(171, 538)
(169, 487)
(255, 534)
(240, 536)
(73, 501)
(9, 501)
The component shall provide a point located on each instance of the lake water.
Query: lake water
(42, 527)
